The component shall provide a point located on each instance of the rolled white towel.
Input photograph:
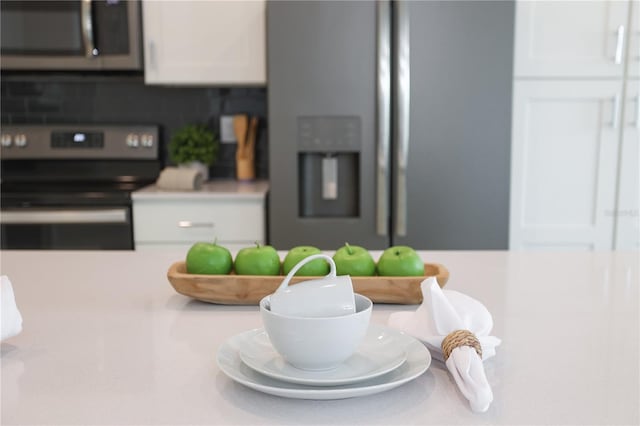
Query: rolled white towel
(180, 178)
(11, 318)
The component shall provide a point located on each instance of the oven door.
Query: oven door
(70, 228)
(70, 35)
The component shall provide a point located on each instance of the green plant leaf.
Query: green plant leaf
(194, 142)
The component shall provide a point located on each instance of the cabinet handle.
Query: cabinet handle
(615, 116)
(619, 45)
(152, 56)
(189, 224)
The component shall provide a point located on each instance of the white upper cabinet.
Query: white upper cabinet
(573, 38)
(205, 42)
(634, 40)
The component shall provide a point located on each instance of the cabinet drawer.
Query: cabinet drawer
(230, 221)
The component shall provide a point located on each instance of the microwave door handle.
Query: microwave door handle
(86, 12)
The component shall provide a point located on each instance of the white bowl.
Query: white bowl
(317, 343)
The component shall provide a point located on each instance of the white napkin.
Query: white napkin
(180, 178)
(444, 311)
(11, 318)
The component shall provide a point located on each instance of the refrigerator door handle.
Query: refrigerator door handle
(402, 110)
(383, 111)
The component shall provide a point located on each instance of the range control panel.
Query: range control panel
(77, 141)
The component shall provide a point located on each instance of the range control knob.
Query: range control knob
(132, 140)
(21, 140)
(5, 141)
(147, 140)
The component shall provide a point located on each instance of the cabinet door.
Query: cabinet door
(570, 38)
(183, 221)
(564, 156)
(634, 40)
(627, 213)
(204, 42)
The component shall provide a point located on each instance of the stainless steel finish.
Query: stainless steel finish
(402, 111)
(310, 94)
(383, 111)
(189, 224)
(638, 112)
(71, 216)
(86, 12)
(615, 116)
(130, 61)
(619, 45)
(118, 142)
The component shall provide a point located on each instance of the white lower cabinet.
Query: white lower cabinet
(564, 164)
(627, 212)
(177, 220)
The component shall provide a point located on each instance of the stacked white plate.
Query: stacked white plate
(386, 359)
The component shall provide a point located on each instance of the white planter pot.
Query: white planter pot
(201, 167)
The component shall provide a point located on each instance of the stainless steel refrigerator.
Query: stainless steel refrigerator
(389, 123)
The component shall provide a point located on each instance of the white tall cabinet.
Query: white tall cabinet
(195, 42)
(574, 177)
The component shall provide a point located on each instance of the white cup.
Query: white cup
(330, 296)
(316, 343)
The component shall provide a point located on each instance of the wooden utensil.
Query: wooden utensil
(240, 125)
(245, 164)
(251, 138)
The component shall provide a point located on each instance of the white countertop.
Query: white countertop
(213, 188)
(107, 340)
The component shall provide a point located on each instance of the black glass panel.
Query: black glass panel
(41, 27)
(111, 29)
(107, 236)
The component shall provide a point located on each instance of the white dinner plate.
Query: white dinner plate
(417, 362)
(378, 354)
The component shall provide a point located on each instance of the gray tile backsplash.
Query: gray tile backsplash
(125, 99)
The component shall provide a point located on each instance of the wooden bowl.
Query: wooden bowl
(250, 289)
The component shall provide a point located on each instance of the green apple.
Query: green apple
(208, 258)
(314, 268)
(400, 261)
(258, 260)
(354, 260)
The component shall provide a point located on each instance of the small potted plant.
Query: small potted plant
(194, 145)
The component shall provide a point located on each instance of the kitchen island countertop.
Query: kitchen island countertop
(107, 340)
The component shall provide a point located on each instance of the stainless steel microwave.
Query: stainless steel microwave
(70, 35)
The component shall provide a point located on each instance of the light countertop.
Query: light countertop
(107, 340)
(225, 188)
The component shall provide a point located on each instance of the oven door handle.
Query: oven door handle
(70, 216)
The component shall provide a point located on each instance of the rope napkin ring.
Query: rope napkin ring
(459, 338)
